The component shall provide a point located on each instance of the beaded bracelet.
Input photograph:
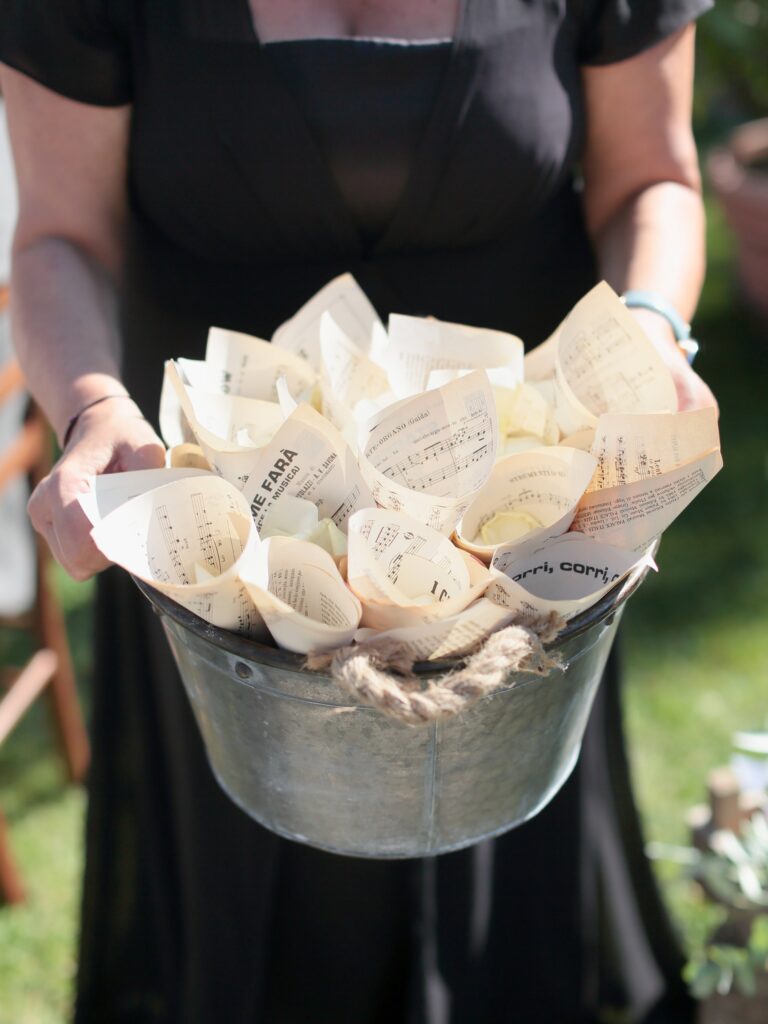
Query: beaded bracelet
(639, 299)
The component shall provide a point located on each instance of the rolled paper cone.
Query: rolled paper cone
(541, 486)
(304, 601)
(565, 576)
(429, 454)
(405, 573)
(189, 539)
(605, 363)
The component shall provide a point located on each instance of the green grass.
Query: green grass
(696, 636)
(696, 653)
(45, 820)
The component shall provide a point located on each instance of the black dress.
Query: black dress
(193, 914)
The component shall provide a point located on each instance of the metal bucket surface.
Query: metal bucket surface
(291, 750)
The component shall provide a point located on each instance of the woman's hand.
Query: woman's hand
(109, 438)
(692, 391)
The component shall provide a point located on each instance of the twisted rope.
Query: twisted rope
(380, 672)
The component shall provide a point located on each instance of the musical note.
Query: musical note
(347, 507)
(173, 544)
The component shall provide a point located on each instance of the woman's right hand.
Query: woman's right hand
(110, 437)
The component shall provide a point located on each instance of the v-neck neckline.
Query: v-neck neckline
(246, 15)
(401, 221)
(278, 157)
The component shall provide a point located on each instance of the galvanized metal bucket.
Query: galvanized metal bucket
(287, 746)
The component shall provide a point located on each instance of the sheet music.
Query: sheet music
(446, 638)
(418, 347)
(110, 490)
(631, 447)
(565, 576)
(190, 539)
(405, 573)
(230, 429)
(381, 519)
(539, 362)
(301, 596)
(428, 455)
(307, 458)
(537, 489)
(351, 310)
(348, 376)
(250, 367)
(605, 363)
(633, 514)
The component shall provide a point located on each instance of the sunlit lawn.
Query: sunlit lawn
(45, 818)
(696, 637)
(696, 648)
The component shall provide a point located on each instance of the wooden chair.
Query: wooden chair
(50, 667)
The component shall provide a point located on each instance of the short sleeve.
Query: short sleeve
(78, 48)
(614, 30)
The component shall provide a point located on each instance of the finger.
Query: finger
(37, 508)
(40, 515)
(686, 399)
(48, 534)
(144, 450)
(67, 527)
(149, 456)
(82, 559)
(78, 555)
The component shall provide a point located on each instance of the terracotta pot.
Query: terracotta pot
(742, 189)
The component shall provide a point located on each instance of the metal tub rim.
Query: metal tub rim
(268, 656)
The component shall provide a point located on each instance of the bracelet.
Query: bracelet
(637, 299)
(72, 423)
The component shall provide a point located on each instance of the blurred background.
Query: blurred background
(695, 641)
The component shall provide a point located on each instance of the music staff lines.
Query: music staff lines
(172, 543)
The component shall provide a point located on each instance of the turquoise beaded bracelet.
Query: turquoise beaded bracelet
(637, 299)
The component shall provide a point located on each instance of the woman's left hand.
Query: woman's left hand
(692, 391)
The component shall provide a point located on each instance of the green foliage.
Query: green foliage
(696, 646)
(721, 967)
(732, 62)
(735, 869)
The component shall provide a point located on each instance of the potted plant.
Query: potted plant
(733, 87)
(730, 974)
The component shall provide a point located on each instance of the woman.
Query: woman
(198, 162)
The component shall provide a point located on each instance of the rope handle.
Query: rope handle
(380, 672)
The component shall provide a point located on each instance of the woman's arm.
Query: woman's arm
(642, 190)
(71, 166)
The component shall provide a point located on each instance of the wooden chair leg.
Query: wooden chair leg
(11, 888)
(29, 684)
(62, 690)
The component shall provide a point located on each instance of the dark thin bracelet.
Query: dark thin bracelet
(74, 419)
